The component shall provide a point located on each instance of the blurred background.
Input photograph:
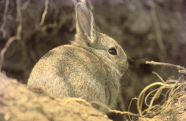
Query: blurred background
(146, 29)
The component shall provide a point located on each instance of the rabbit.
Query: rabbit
(90, 67)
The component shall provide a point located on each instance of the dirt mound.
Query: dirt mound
(21, 104)
(18, 103)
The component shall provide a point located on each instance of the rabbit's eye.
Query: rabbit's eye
(112, 51)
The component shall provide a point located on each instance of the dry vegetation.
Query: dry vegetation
(19, 103)
(146, 30)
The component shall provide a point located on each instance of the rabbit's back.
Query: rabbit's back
(71, 71)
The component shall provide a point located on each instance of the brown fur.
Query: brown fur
(85, 68)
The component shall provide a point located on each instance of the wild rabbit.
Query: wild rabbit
(90, 68)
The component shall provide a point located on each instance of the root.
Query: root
(122, 105)
(169, 84)
(44, 13)
(114, 111)
(5, 49)
(25, 5)
(18, 34)
(100, 104)
(77, 99)
(158, 76)
(19, 16)
(4, 19)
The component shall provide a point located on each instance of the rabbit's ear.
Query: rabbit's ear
(84, 22)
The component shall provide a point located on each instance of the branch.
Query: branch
(165, 64)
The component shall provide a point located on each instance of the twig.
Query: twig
(165, 64)
(44, 13)
(4, 18)
(5, 49)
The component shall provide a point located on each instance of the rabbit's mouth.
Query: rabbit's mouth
(123, 68)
